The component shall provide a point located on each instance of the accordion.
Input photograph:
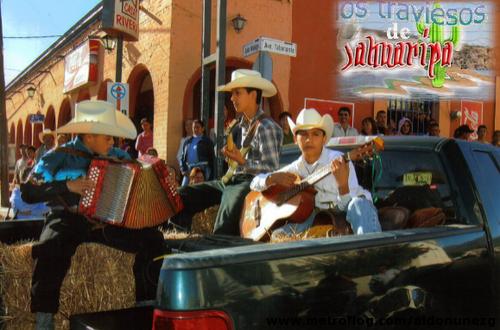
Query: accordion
(130, 194)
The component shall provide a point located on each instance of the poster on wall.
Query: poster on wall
(416, 49)
(472, 115)
(330, 107)
(81, 65)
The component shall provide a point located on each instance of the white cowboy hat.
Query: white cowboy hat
(309, 119)
(46, 131)
(99, 117)
(249, 78)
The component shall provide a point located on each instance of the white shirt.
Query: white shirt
(327, 187)
(339, 131)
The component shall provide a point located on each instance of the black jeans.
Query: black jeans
(62, 234)
(230, 196)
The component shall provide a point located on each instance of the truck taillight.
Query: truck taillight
(199, 320)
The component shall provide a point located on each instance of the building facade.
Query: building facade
(163, 68)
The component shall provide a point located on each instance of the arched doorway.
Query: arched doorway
(103, 90)
(50, 118)
(28, 132)
(64, 113)
(37, 129)
(19, 137)
(141, 102)
(12, 133)
(192, 95)
(83, 95)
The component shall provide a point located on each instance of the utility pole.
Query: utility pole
(4, 168)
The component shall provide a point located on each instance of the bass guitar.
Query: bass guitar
(268, 210)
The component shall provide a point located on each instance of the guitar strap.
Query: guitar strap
(251, 130)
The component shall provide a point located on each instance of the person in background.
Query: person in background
(21, 164)
(198, 151)
(463, 132)
(382, 122)
(434, 129)
(287, 132)
(145, 139)
(342, 128)
(188, 130)
(482, 131)
(496, 139)
(196, 176)
(405, 127)
(48, 138)
(369, 126)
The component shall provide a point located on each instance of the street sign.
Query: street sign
(270, 45)
(37, 118)
(264, 64)
(118, 94)
(251, 48)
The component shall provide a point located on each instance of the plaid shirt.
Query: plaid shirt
(265, 148)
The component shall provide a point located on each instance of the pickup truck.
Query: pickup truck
(443, 276)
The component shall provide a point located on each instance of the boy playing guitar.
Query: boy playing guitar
(340, 189)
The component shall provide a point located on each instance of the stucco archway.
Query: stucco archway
(50, 118)
(19, 137)
(28, 131)
(141, 102)
(64, 115)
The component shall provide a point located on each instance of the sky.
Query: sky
(36, 18)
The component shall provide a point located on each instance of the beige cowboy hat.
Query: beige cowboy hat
(99, 117)
(46, 131)
(309, 119)
(249, 78)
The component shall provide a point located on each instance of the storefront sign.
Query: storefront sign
(80, 66)
(329, 107)
(265, 44)
(121, 17)
(37, 118)
(118, 94)
(472, 115)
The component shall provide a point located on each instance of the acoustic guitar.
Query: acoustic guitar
(266, 211)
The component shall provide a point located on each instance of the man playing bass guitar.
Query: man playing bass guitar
(339, 189)
(260, 136)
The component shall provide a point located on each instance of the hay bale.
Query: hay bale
(100, 278)
(203, 222)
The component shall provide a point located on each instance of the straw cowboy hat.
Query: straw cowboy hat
(309, 119)
(46, 131)
(249, 78)
(99, 117)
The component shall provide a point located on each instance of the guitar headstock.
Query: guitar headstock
(367, 150)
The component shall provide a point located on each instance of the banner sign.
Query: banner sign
(81, 65)
(329, 107)
(121, 17)
(416, 49)
(472, 115)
